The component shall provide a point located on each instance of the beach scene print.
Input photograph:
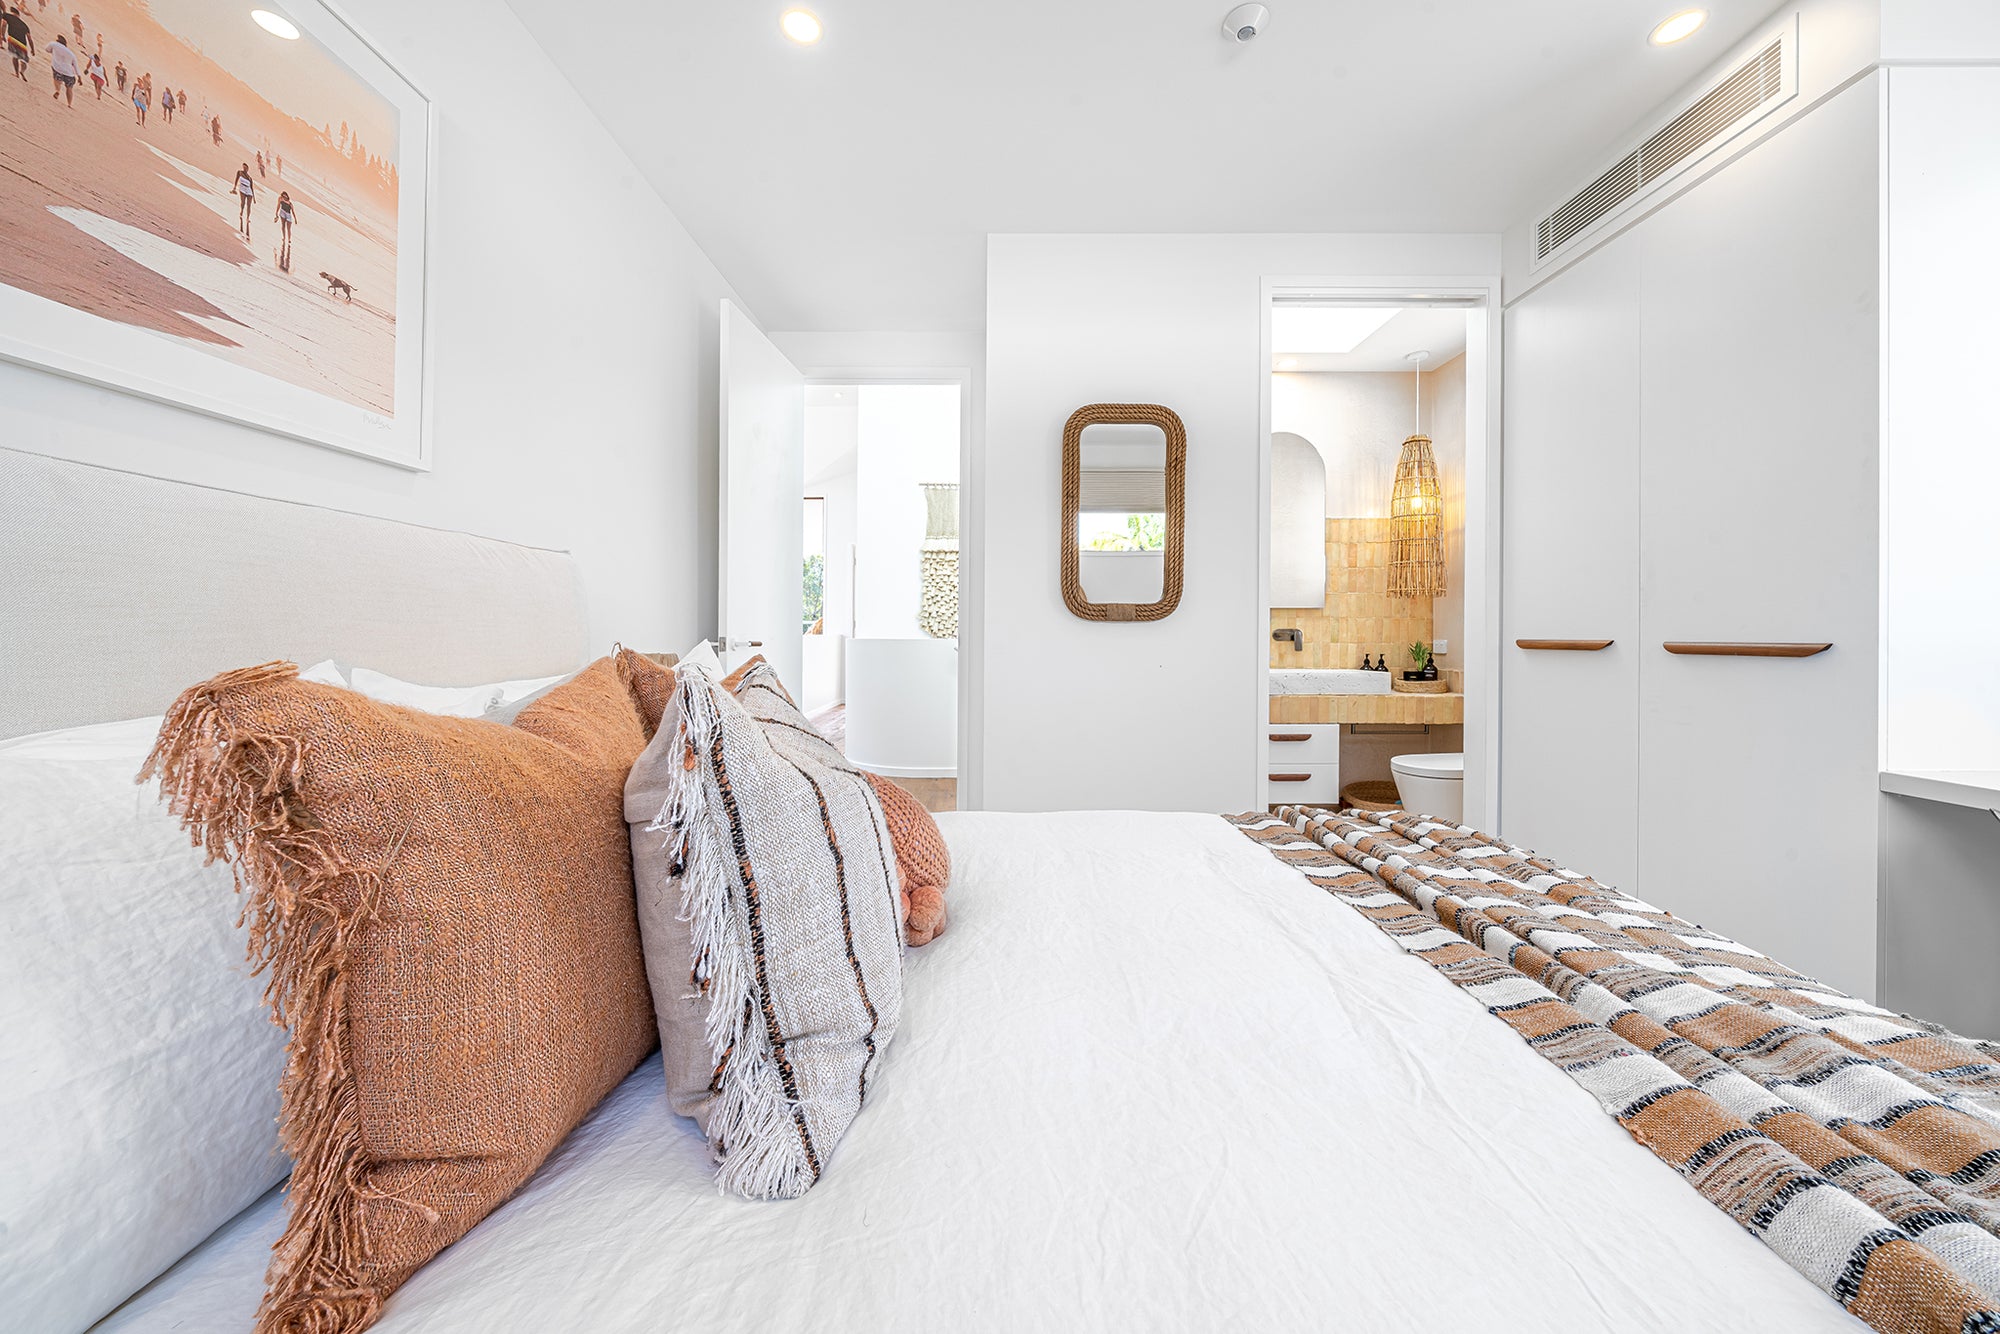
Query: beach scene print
(182, 167)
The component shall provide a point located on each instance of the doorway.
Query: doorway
(1380, 667)
(880, 578)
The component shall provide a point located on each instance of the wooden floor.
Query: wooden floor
(936, 794)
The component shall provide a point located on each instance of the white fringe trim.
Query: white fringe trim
(751, 1130)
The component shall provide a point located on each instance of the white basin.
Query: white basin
(1328, 681)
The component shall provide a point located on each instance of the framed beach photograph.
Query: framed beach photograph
(219, 204)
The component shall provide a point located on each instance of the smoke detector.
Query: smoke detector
(1243, 23)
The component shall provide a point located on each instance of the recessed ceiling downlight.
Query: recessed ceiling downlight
(276, 24)
(1679, 26)
(801, 25)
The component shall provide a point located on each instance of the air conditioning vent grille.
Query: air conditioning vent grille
(1734, 98)
(1754, 86)
(1598, 198)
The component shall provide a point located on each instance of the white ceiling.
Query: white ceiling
(1438, 330)
(851, 185)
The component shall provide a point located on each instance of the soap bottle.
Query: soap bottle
(1368, 662)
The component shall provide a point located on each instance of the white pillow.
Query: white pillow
(703, 655)
(326, 673)
(452, 701)
(139, 1073)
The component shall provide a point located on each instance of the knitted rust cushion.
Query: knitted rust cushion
(652, 687)
(767, 901)
(444, 907)
(923, 863)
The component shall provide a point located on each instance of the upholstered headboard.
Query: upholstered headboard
(122, 590)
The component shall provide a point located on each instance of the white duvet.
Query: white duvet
(1150, 1079)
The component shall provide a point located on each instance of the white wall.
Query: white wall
(575, 366)
(1165, 714)
(1357, 420)
(1941, 564)
(1444, 422)
(1950, 30)
(907, 435)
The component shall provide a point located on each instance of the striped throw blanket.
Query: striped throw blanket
(1862, 1147)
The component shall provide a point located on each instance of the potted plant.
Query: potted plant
(1426, 669)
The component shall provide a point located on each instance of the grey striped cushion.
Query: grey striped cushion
(767, 903)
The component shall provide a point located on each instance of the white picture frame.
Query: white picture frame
(38, 331)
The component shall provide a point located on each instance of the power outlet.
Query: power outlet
(1441, 647)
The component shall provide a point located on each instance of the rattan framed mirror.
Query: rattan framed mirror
(1124, 504)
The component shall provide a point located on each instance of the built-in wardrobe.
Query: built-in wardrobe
(1690, 457)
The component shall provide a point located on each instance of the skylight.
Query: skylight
(1318, 330)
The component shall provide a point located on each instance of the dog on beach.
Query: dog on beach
(338, 286)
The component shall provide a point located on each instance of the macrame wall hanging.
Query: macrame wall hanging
(937, 615)
(1416, 514)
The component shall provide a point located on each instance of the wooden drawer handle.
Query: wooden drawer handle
(1290, 778)
(1291, 736)
(1565, 645)
(1745, 650)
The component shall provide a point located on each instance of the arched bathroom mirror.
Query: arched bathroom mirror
(1298, 522)
(1123, 511)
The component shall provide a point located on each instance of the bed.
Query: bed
(1151, 1078)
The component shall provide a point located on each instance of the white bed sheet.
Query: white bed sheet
(1150, 1079)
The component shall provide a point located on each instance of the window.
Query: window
(815, 563)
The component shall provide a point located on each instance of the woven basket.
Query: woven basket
(1370, 794)
(1437, 687)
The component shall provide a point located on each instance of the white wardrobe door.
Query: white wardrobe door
(1758, 522)
(1569, 727)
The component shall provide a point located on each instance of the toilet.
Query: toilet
(1431, 784)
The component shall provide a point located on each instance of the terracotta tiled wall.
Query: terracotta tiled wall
(1359, 616)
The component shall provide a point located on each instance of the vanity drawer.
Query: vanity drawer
(1296, 744)
(1302, 784)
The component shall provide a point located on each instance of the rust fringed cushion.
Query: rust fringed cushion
(923, 862)
(443, 907)
(652, 687)
(767, 899)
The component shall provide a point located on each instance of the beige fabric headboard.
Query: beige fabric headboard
(121, 591)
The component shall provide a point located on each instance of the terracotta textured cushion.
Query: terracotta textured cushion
(652, 687)
(767, 900)
(923, 862)
(444, 907)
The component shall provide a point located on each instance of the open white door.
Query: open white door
(761, 604)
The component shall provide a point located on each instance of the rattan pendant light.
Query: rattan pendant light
(1416, 514)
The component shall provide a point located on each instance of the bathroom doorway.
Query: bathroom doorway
(1379, 664)
(880, 580)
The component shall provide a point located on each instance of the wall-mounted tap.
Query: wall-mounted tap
(1288, 634)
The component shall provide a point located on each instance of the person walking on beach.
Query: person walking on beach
(215, 130)
(97, 75)
(20, 42)
(182, 98)
(246, 195)
(139, 100)
(167, 105)
(120, 74)
(62, 65)
(260, 164)
(286, 215)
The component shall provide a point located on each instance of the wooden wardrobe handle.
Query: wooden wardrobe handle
(1290, 778)
(1291, 736)
(1699, 650)
(1565, 645)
